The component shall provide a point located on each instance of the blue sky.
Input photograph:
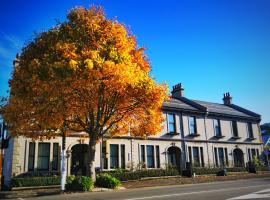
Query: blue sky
(211, 47)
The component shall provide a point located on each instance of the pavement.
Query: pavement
(258, 188)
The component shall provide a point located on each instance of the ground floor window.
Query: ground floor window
(150, 156)
(123, 158)
(55, 156)
(196, 156)
(43, 156)
(114, 152)
(31, 156)
(157, 156)
(221, 157)
(142, 154)
(252, 153)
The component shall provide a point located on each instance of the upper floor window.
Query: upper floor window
(234, 129)
(217, 127)
(192, 125)
(250, 130)
(172, 126)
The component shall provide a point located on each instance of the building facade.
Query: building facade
(202, 133)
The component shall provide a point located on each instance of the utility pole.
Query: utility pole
(63, 162)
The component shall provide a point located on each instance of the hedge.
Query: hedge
(35, 181)
(107, 181)
(136, 175)
(262, 168)
(216, 170)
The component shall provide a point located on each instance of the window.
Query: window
(192, 125)
(43, 156)
(123, 160)
(253, 153)
(157, 157)
(55, 156)
(150, 156)
(142, 154)
(221, 157)
(189, 155)
(249, 155)
(202, 157)
(216, 156)
(257, 151)
(104, 155)
(250, 130)
(226, 157)
(217, 127)
(234, 129)
(172, 123)
(114, 152)
(31, 156)
(196, 157)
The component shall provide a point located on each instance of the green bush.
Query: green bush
(136, 175)
(107, 181)
(216, 170)
(79, 183)
(262, 168)
(205, 170)
(35, 181)
(237, 169)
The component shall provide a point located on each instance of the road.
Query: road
(228, 190)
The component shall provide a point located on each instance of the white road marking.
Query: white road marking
(256, 195)
(187, 193)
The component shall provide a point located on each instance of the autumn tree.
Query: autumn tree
(86, 74)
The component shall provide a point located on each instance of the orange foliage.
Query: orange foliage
(87, 74)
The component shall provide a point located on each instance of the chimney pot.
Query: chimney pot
(227, 99)
(178, 90)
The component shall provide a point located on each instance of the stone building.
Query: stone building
(203, 133)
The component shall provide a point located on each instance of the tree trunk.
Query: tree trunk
(91, 157)
(63, 163)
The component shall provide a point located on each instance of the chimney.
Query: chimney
(178, 90)
(227, 99)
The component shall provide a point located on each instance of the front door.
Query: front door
(79, 159)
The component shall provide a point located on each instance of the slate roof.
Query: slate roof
(177, 103)
(212, 108)
(221, 109)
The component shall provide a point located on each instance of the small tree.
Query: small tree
(87, 74)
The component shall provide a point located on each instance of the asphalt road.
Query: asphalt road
(229, 190)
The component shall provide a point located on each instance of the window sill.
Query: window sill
(172, 133)
(235, 137)
(194, 135)
(219, 136)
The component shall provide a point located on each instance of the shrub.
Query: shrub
(216, 170)
(136, 175)
(34, 174)
(107, 181)
(262, 168)
(205, 170)
(35, 181)
(79, 183)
